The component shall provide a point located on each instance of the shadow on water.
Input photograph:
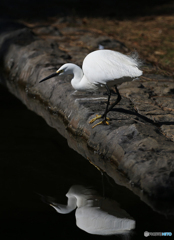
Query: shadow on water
(36, 159)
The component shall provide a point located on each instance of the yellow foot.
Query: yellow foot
(97, 117)
(94, 119)
(102, 122)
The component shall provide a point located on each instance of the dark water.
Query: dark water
(36, 159)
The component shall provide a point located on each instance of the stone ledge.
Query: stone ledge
(136, 149)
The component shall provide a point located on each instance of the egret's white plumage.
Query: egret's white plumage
(95, 214)
(101, 68)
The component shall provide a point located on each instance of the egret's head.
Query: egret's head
(63, 209)
(56, 207)
(65, 69)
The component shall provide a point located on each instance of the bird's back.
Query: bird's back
(103, 66)
(104, 217)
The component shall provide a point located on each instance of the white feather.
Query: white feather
(103, 66)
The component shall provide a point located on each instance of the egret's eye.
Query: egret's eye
(60, 71)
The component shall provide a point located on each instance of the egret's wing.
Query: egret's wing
(102, 66)
(103, 221)
(98, 222)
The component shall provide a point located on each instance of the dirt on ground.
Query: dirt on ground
(145, 26)
(151, 37)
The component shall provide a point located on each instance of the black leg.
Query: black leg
(103, 184)
(107, 108)
(117, 100)
(108, 102)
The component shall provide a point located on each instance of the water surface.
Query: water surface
(36, 159)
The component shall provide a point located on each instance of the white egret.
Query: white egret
(95, 214)
(102, 68)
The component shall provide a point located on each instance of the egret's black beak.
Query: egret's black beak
(50, 76)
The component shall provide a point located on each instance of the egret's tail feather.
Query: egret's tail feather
(134, 54)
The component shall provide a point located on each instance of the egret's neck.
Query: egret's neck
(64, 209)
(78, 75)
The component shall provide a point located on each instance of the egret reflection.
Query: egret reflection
(94, 214)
